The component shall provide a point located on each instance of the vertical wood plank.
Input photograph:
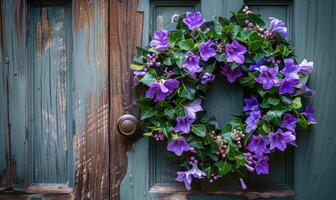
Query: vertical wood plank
(125, 35)
(315, 158)
(3, 107)
(14, 41)
(91, 98)
(49, 90)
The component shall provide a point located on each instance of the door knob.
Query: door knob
(127, 124)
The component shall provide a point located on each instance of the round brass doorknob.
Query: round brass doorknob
(127, 124)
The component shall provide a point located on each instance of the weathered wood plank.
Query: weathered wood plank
(49, 72)
(4, 154)
(315, 158)
(91, 98)
(14, 41)
(125, 35)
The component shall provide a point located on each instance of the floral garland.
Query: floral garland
(179, 66)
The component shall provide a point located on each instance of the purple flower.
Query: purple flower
(191, 64)
(252, 120)
(277, 26)
(257, 64)
(186, 176)
(207, 77)
(230, 74)
(268, 77)
(287, 86)
(261, 165)
(162, 89)
(178, 146)
(251, 104)
(193, 20)
(291, 69)
(306, 67)
(242, 184)
(288, 122)
(305, 89)
(160, 41)
(308, 113)
(193, 107)
(183, 124)
(206, 51)
(279, 139)
(258, 145)
(235, 52)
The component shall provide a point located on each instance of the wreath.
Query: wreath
(177, 69)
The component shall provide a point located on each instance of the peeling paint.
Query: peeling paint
(43, 32)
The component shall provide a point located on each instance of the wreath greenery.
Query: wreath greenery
(176, 70)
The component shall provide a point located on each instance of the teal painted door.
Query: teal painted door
(50, 132)
(151, 173)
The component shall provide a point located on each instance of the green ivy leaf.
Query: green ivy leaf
(186, 44)
(137, 67)
(224, 168)
(170, 112)
(186, 92)
(274, 116)
(296, 103)
(199, 129)
(255, 41)
(147, 113)
(148, 79)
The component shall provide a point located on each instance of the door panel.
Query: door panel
(222, 102)
(50, 136)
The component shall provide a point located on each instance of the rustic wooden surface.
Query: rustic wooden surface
(14, 96)
(91, 99)
(50, 135)
(125, 34)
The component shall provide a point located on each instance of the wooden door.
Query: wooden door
(54, 121)
(150, 173)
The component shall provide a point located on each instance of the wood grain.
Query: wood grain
(91, 99)
(125, 35)
(13, 17)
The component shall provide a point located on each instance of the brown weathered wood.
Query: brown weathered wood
(125, 35)
(91, 98)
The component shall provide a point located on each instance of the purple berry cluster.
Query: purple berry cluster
(152, 60)
(159, 136)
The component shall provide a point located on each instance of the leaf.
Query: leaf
(273, 102)
(199, 129)
(224, 168)
(147, 113)
(137, 67)
(220, 57)
(148, 134)
(296, 103)
(175, 36)
(274, 116)
(186, 92)
(186, 44)
(165, 131)
(141, 51)
(168, 62)
(148, 79)
(169, 112)
(303, 122)
(240, 160)
(255, 41)
(266, 128)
